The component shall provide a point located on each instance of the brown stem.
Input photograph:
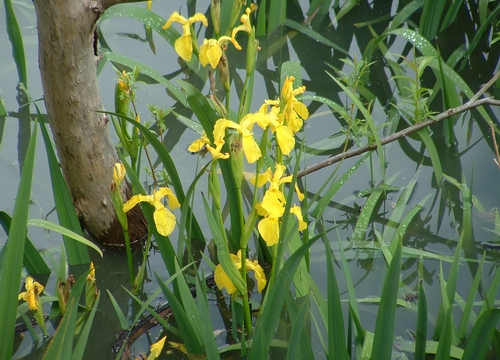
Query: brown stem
(471, 104)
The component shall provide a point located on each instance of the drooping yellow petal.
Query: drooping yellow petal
(175, 17)
(184, 47)
(301, 110)
(299, 193)
(173, 203)
(210, 53)
(286, 140)
(269, 230)
(262, 178)
(156, 348)
(298, 213)
(223, 281)
(251, 149)
(258, 273)
(198, 145)
(198, 17)
(134, 200)
(164, 220)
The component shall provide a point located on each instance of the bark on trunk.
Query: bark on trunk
(72, 96)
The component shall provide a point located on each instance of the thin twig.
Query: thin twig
(471, 104)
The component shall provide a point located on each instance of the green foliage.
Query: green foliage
(256, 217)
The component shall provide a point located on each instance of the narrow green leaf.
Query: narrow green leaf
(299, 342)
(189, 334)
(433, 153)
(336, 330)
(147, 71)
(325, 199)
(274, 299)
(431, 16)
(119, 313)
(386, 317)
(314, 35)
(276, 15)
(205, 323)
(61, 344)
(421, 334)
(16, 39)
(63, 231)
(79, 349)
(369, 120)
(467, 316)
(480, 337)
(66, 213)
(444, 346)
(32, 260)
(13, 252)
(223, 251)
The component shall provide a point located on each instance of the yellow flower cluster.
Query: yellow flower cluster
(272, 206)
(212, 49)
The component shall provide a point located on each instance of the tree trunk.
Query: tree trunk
(72, 96)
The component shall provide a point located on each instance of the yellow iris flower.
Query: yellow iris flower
(250, 146)
(164, 219)
(284, 135)
(33, 289)
(223, 281)
(184, 44)
(272, 206)
(203, 143)
(211, 50)
(295, 111)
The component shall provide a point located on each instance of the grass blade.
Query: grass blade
(268, 319)
(10, 276)
(61, 344)
(421, 337)
(32, 260)
(79, 350)
(336, 331)
(77, 253)
(16, 39)
(386, 317)
(299, 342)
(479, 339)
(63, 231)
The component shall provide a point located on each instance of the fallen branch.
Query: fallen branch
(471, 104)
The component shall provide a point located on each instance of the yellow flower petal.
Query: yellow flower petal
(173, 203)
(258, 273)
(299, 194)
(210, 53)
(174, 17)
(223, 281)
(164, 220)
(274, 203)
(134, 200)
(251, 149)
(184, 47)
(198, 145)
(156, 348)
(286, 140)
(269, 230)
(298, 213)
